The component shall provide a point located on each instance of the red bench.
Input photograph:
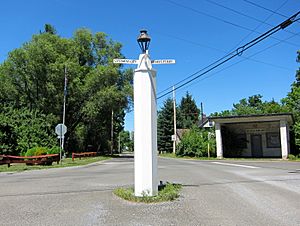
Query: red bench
(30, 160)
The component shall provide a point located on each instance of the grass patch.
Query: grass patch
(294, 158)
(168, 192)
(17, 167)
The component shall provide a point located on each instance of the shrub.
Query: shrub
(292, 157)
(54, 150)
(194, 143)
(36, 151)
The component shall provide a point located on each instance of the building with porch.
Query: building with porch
(253, 135)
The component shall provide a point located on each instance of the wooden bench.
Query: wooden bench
(83, 154)
(30, 160)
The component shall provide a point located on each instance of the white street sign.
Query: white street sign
(166, 61)
(131, 61)
(60, 130)
(125, 61)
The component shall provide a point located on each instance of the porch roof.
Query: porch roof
(288, 117)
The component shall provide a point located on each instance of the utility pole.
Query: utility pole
(201, 112)
(174, 111)
(64, 109)
(208, 146)
(112, 133)
(119, 144)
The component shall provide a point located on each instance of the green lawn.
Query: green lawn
(65, 163)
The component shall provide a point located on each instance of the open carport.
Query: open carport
(253, 135)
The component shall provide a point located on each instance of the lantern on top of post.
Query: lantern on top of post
(144, 41)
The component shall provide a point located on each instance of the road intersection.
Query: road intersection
(214, 193)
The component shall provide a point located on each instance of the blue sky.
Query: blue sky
(194, 32)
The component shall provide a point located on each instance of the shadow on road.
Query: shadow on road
(238, 182)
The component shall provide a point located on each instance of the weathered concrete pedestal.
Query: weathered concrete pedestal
(145, 129)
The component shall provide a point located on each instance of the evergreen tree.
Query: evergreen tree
(189, 112)
(50, 29)
(165, 127)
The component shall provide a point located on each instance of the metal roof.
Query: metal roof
(254, 118)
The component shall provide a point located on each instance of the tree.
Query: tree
(126, 142)
(50, 29)
(189, 112)
(165, 127)
(33, 77)
(22, 129)
(292, 101)
(254, 105)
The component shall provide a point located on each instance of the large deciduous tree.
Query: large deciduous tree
(32, 77)
(254, 105)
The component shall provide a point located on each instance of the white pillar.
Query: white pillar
(145, 129)
(284, 139)
(219, 141)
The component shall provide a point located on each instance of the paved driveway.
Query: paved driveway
(214, 193)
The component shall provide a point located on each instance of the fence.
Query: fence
(83, 154)
(29, 160)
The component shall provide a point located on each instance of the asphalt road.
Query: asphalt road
(214, 193)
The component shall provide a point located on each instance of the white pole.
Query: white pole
(119, 144)
(112, 133)
(145, 128)
(64, 109)
(60, 151)
(65, 94)
(174, 110)
(208, 147)
(64, 114)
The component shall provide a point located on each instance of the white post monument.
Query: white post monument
(145, 119)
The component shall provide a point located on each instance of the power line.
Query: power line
(262, 22)
(190, 42)
(271, 46)
(262, 7)
(238, 52)
(190, 76)
(250, 17)
(216, 49)
(243, 14)
(220, 19)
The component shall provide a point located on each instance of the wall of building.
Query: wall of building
(270, 134)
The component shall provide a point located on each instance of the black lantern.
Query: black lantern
(144, 41)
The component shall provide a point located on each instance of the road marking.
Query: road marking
(238, 165)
